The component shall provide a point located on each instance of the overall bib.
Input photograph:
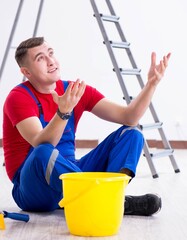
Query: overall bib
(37, 186)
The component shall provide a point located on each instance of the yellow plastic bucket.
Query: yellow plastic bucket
(94, 202)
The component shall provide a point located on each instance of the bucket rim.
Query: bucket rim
(101, 176)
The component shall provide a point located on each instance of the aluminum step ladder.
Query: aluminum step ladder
(111, 45)
(12, 33)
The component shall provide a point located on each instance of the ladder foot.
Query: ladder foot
(155, 175)
(177, 170)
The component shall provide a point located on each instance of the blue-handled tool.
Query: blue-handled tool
(16, 216)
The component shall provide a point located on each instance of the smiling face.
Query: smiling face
(41, 68)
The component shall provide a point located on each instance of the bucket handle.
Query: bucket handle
(65, 201)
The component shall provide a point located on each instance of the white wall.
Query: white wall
(69, 26)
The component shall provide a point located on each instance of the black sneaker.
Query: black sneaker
(144, 205)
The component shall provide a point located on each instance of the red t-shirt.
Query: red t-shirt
(19, 105)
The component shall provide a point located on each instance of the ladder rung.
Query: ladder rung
(120, 44)
(126, 71)
(109, 18)
(151, 126)
(164, 153)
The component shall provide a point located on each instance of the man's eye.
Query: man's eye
(40, 58)
(51, 53)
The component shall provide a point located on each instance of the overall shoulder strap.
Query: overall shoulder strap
(65, 83)
(33, 96)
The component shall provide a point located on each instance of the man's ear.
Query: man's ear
(25, 72)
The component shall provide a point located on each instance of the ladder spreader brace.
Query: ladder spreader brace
(110, 45)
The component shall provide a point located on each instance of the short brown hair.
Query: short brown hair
(21, 51)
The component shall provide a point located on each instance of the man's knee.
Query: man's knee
(43, 147)
(132, 130)
(42, 153)
(138, 133)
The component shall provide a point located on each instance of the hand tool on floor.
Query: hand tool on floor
(15, 216)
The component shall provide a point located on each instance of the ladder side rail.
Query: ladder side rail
(109, 48)
(36, 24)
(152, 109)
(38, 18)
(174, 164)
(123, 39)
(160, 130)
(156, 119)
(149, 160)
(154, 114)
(11, 37)
(166, 145)
(165, 141)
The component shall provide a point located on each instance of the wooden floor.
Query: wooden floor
(169, 224)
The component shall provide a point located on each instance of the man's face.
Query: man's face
(41, 65)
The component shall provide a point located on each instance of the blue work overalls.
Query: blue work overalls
(37, 186)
